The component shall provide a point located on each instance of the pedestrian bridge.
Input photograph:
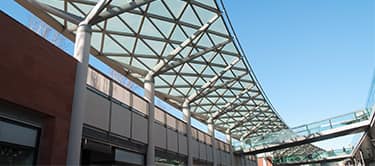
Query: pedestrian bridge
(326, 129)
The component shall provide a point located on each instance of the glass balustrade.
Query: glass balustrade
(315, 156)
(306, 130)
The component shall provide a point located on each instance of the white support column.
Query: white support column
(187, 119)
(81, 53)
(264, 161)
(149, 96)
(229, 141)
(242, 143)
(211, 132)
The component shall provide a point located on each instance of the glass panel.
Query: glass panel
(171, 121)
(129, 157)
(17, 143)
(227, 148)
(121, 94)
(194, 133)
(139, 104)
(201, 136)
(221, 145)
(208, 139)
(159, 115)
(181, 127)
(16, 155)
(281, 136)
(98, 81)
(16, 134)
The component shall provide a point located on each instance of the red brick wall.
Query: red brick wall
(37, 75)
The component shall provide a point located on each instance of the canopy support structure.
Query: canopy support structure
(211, 132)
(149, 87)
(81, 53)
(229, 141)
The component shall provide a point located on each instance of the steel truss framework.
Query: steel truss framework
(187, 47)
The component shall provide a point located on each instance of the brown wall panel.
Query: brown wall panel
(37, 75)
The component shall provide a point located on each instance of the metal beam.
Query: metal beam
(192, 57)
(252, 129)
(134, 69)
(149, 87)
(211, 126)
(250, 132)
(233, 106)
(244, 118)
(115, 11)
(164, 62)
(238, 96)
(98, 8)
(155, 38)
(203, 91)
(225, 84)
(57, 12)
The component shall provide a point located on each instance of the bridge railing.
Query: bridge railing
(313, 156)
(306, 130)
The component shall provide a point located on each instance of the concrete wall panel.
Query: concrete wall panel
(202, 151)
(120, 120)
(97, 110)
(195, 147)
(209, 153)
(160, 136)
(182, 142)
(139, 128)
(172, 140)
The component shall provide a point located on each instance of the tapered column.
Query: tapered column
(229, 141)
(187, 119)
(211, 132)
(149, 96)
(81, 53)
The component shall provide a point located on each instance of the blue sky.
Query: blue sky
(314, 59)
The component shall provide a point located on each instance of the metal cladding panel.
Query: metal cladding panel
(120, 120)
(172, 140)
(160, 136)
(219, 157)
(223, 158)
(228, 158)
(195, 147)
(209, 153)
(253, 163)
(97, 110)
(139, 128)
(202, 151)
(182, 141)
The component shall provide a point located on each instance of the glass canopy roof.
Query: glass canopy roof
(191, 37)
